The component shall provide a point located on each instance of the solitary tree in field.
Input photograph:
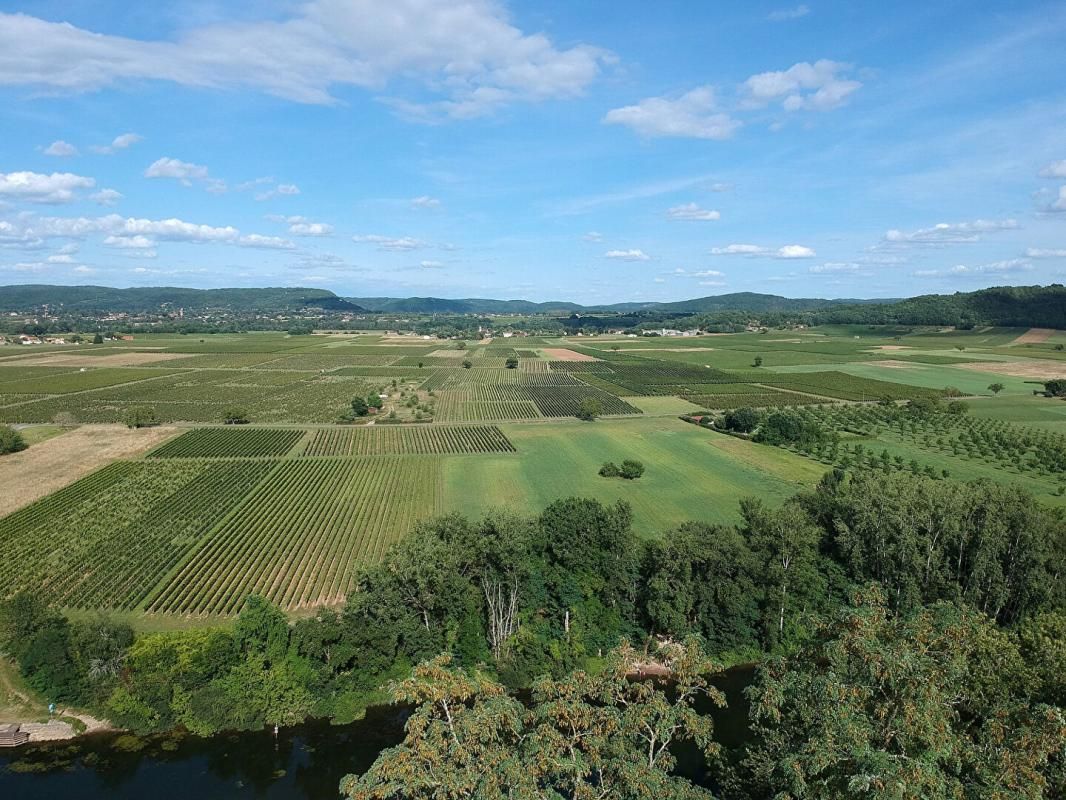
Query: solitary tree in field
(460, 346)
(467, 363)
(589, 409)
(98, 339)
(995, 388)
(235, 416)
(359, 407)
(512, 362)
(11, 440)
(757, 362)
(140, 417)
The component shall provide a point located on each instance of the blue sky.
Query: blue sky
(596, 152)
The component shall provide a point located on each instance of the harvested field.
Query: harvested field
(120, 359)
(891, 347)
(1038, 370)
(563, 354)
(1035, 336)
(51, 465)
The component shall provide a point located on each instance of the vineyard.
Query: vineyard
(107, 540)
(229, 443)
(300, 535)
(404, 440)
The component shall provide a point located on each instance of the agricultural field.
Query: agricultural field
(293, 504)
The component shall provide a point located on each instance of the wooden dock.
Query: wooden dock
(11, 736)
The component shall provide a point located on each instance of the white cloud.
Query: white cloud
(1037, 252)
(755, 250)
(995, 268)
(83, 270)
(692, 212)
(35, 187)
(138, 242)
(593, 236)
(1056, 169)
(837, 267)
(708, 273)
(431, 264)
(266, 242)
(425, 201)
(402, 243)
(468, 53)
(61, 149)
(1059, 203)
(60, 258)
(949, 232)
(803, 86)
(627, 255)
(786, 14)
(712, 283)
(692, 115)
(310, 229)
(281, 190)
(106, 197)
(120, 142)
(177, 169)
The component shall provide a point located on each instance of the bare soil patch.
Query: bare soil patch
(894, 364)
(563, 354)
(51, 465)
(447, 353)
(892, 347)
(1040, 370)
(131, 359)
(1035, 336)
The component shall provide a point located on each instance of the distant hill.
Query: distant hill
(742, 301)
(1006, 306)
(90, 299)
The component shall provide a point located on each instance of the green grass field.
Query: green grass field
(292, 505)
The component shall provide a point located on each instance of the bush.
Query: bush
(467, 363)
(140, 417)
(631, 470)
(589, 409)
(512, 362)
(359, 407)
(235, 416)
(11, 440)
(957, 407)
(609, 470)
(741, 420)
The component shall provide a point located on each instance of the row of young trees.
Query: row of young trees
(965, 630)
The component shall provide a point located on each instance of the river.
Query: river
(305, 762)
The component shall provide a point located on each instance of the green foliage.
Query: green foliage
(11, 440)
(98, 338)
(301, 330)
(742, 420)
(631, 469)
(512, 362)
(235, 416)
(467, 363)
(140, 417)
(1055, 388)
(609, 470)
(918, 706)
(373, 400)
(589, 409)
(359, 407)
(582, 736)
(995, 388)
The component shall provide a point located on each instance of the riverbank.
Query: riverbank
(19, 705)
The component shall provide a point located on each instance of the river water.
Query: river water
(305, 762)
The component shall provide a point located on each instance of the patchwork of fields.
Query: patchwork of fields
(292, 505)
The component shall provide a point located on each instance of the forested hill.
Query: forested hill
(135, 300)
(1008, 306)
(442, 305)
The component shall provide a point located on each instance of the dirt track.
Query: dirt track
(54, 463)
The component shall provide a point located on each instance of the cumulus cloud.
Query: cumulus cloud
(120, 142)
(692, 212)
(177, 169)
(1056, 169)
(627, 255)
(949, 233)
(1057, 203)
(759, 251)
(425, 201)
(137, 242)
(1039, 252)
(401, 243)
(693, 115)
(820, 86)
(35, 187)
(266, 242)
(995, 268)
(281, 190)
(304, 228)
(786, 14)
(106, 197)
(469, 53)
(61, 149)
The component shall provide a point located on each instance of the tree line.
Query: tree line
(871, 596)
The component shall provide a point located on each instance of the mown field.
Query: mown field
(291, 505)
